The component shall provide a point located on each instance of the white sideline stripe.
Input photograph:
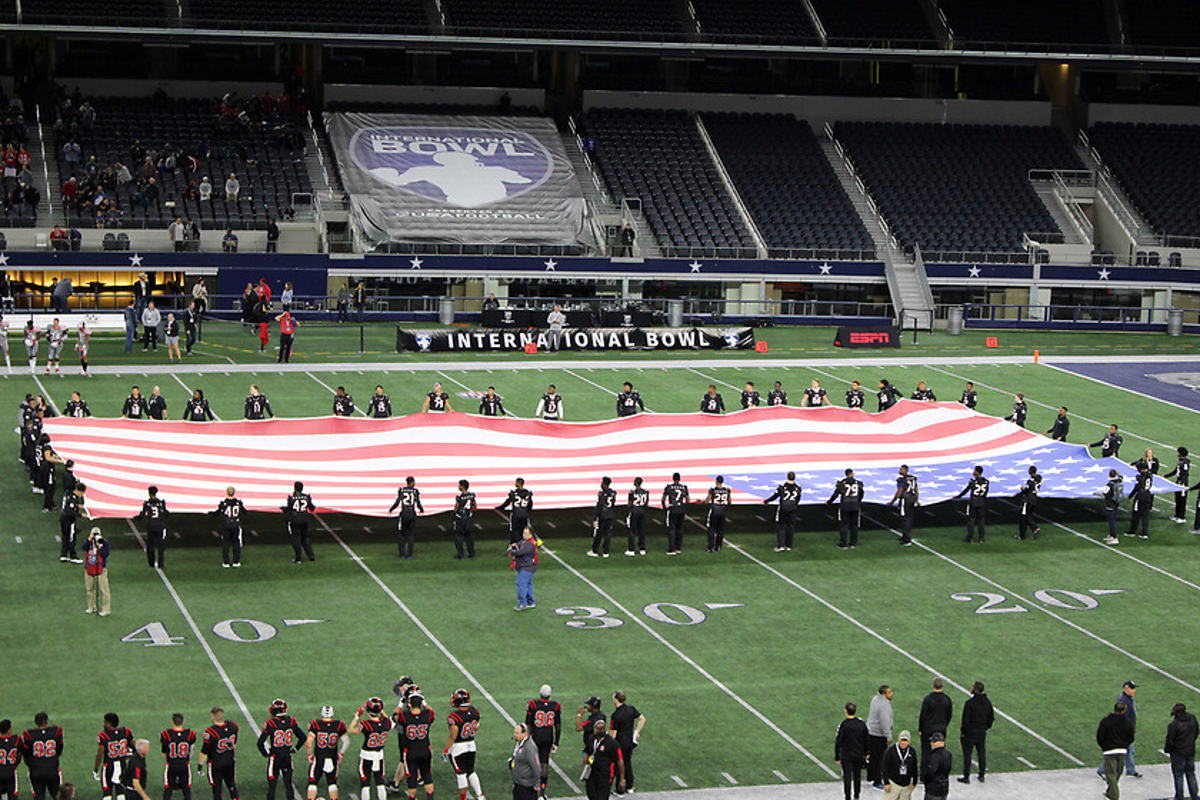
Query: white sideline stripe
(1045, 611)
(331, 389)
(200, 637)
(781, 776)
(45, 393)
(729, 778)
(1027, 762)
(1115, 386)
(713, 379)
(436, 642)
(899, 649)
(683, 656)
(679, 781)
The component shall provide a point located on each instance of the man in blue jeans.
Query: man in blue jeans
(1181, 747)
(1126, 697)
(524, 561)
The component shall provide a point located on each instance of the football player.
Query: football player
(408, 498)
(380, 405)
(674, 500)
(606, 504)
(298, 506)
(464, 520)
(371, 722)
(712, 403)
(855, 397)
(217, 754)
(460, 744)
(41, 747)
(10, 752)
(777, 396)
(629, 402)
(850, 490)
(635, 522)
(257, 405)
(413, 723)
(521, 500)
(908, 495)
(1029, 497)
(718, 499)
(750, 396)
(114, 746)
(977, 489)
(325, 744)
(543, 716)
(814, 397)
(550, 407)
(281, 736)
(177, 743)
(436, 401)
(343, 404)
(788, 493)
(231, 510)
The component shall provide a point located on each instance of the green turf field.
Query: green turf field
(740, 661)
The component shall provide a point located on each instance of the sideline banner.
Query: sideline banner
(487, 340)
(877, 336)
(458, 179)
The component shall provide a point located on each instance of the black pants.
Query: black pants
(150, 338)
(785, 526)
(875, 747)
(907, 512)
(279, 767)
(627, 748)
(190, 339)
(599, 787)
(1140, 515)
(716, 530)
(341, 312)
(980, 750)
(517, 523)
(231, 543)
(406, 535)
(848, 522)
(285, 347)
(43, 783)
(1180, 505)
(636, 524)
(524, 792)
(602, 536)
(464, 536)
(49, 484)
(300, 543)
(156, 547)
(222, 774)
(179, 776)
(1027, 522)
(974, 520)
(852, 777)
(675, 519)
(68, 538)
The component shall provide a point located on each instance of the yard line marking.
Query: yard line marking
(181, 383)
(713, 379)
(897, 648)
(1122, 388)
(729, 778)
(200, 636)
(436, 642)
(679, 781)
(45, 393)
(1027, 762)
(604, 389)
(1097, 637)
(684, 657)
(781, 776)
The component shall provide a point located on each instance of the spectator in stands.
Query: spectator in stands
(232, 188)
(289, 214)
(191, 233)
(33, 198)
(25, 175)
(58, 239)
(272, 237)
(87, 116)
(229, 242)
(76, 240)
(70, 193)
(343, 303)
(151, 192)
(627, 237)
(147, 170)
(205, 189)
(178, 235)
(124, 176)
(190, 192)
(92, 168)
(72, 154)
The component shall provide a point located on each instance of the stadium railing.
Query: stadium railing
(1066, 316)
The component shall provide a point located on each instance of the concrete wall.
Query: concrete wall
(1178, 115)
(294, 237)
(100, 87)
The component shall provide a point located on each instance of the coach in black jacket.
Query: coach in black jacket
(977, 718)
(936, 710)
(935, 771)
(899, 764)
(1181, 747)
(850, 750)
(1114, 735)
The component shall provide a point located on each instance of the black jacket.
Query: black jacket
(1181, 736)
(936, 710)
(892, 762)
(977, 716)
(936, 772)
(1115, 732)
(851, 741)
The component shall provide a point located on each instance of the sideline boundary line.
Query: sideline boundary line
(687, 660)
(1094, 379)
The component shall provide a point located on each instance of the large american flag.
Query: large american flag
(355, 465)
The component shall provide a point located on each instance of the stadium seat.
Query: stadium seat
(1158, 166)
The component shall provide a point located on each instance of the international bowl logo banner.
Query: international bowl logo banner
(462, 180)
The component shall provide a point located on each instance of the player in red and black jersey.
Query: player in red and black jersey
(281, 736)
(217, 754)
(177, 743)
(41, 747)
(374, 725)
(460, 744)
(413, 723)
(543, 717)
(114, 747)
(324, 754)
(10, 756)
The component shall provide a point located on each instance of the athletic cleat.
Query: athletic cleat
(593, 554)
(606, 555)
(643, 551)
(226, 566)
(1143, 536)
(237, 563)
(778, 549)
(1178, 520)
(1111, 540)
(76, 560)
(630, 553)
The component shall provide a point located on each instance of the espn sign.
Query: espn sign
(880, 336)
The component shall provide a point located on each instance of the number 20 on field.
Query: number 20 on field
(993, 603)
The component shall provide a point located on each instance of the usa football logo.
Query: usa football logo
(424, 340)
(731, 339)
(463, 167)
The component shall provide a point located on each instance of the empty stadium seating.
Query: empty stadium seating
(650, 19)
(791, 191)
(1027, 21)
(346, 15)
(874, 20)
(145, 13)
(268, 168)
(659, 157)
(957, 187)
(762, 19)
(1159, 168)
(1163, 24)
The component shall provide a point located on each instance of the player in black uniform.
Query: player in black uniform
(374, 725)
(1114, 493)
(257, 405)
(712, 403)
(855, 397)
(521, 500)
(177, 743)
(413, 724)
(154, 512)
(48, 473)
(587, 725)
(970, 398)
(977, 491)
(1020, 410)
(10, 756)
(1110, 445)
(1143, 501)
(626, 726)
(114, 746)
(674, 500)
(635, 520)
(464, 521)
(718, 499)
(886, 395)
(787, 514)
(1062, 424)
(629, 402)
(380, 405)
(850, 490)
(924, 393)
(814, 396)
(197, 409)
(908, 496)
(68, 519)
(550, 407)
(325, 734)
(135, 405)
(777, 396)
(750, 397)
(281, 736)
(460, 743)
(77, 407)
(156, 404)
(217, 754)
(41, 748)
(1029, 499)
(343, 404)
(437, 401)
(1181, 472)
(543, 718)
(408, 498)
(491, 404)
(606, 503)
(297, 507)
(231, 511)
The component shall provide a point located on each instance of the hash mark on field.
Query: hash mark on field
(368, 530)
(551, 524)
(253, 532)
(729, 778)
(1027, 762)
(18, 538)
(679, 781)
(781, 776)
(442, 528)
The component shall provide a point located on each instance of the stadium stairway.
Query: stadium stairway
(1071, 232)
(849, 182)
(738, 203)
(48, 180)
(1145, 233)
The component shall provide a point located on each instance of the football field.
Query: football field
(740, 660)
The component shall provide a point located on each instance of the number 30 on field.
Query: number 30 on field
(593, 617)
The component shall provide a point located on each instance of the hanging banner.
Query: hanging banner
(458, 179)
(485, 340)
(876, 336)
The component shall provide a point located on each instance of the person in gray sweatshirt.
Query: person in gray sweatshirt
(151, 318)
(879, 733)
(526, 769)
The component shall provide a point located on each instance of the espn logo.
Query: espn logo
(870, 337)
